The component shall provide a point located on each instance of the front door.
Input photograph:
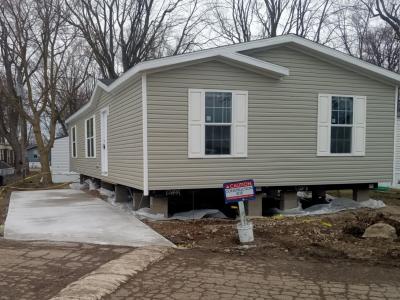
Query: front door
(104, 142)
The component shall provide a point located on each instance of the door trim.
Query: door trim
(104, 141)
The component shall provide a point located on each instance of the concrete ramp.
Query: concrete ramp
(74, 216)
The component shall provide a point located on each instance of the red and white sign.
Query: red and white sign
(239, 191)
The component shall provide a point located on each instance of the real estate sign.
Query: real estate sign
(239, 191)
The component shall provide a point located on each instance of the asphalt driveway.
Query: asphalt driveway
(74, 216)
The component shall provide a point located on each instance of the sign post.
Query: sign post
(242, 213)
(240, 191)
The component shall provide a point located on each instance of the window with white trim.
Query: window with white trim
(217, 123)
(218, 110)
(74, 150)
(90, 137)
(341, 125)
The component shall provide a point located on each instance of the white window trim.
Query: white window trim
(203, 124)
(352, 154)
(74, 128)
(94, 137)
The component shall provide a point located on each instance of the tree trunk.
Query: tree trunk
(18, 161)
(45, 167)
(24, 139)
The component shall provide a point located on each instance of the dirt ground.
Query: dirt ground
(326, 237)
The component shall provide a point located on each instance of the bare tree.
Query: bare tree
(353, 23)
(122, 33)
(234, 19)
(75, 83)
(39, 38)
(382, 48)
(270, 15)
(388, 11)
(243, 20)
(366, 39)
(12, 125)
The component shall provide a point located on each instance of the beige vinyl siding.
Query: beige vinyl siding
(282, 128)
(125, 141)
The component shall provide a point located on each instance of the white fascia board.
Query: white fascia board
(257, 63)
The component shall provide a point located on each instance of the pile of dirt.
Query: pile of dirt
(335, 236)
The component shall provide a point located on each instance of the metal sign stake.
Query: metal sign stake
(242, 213)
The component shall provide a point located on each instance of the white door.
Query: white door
(104, 142)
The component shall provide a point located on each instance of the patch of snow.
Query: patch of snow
(77, 186)
(336, 205)
(146, 213)
(92, 185)
(371, 203)
(199, 214)
(304, 195)
(109, 194)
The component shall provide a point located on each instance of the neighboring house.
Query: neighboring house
(287, 112)
(33, 157)
(60, 160)
(6, 152)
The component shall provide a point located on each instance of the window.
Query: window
(74, 150)
(90, 135)
(341, 124)
(218, 110)
(217, 123)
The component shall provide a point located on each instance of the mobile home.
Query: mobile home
(287, 112)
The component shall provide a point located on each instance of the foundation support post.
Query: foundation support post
(360, 193)
(159, 205)
(254, 207)
(139, 201)
(288, 200)
(121, 193)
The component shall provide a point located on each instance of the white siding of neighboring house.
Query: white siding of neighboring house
(60, 162)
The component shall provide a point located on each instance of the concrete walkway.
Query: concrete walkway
(74, 216)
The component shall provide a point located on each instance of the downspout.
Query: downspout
(145, 153)
(396, 100)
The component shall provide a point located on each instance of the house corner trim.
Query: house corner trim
(145, 153)
(395, 141)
